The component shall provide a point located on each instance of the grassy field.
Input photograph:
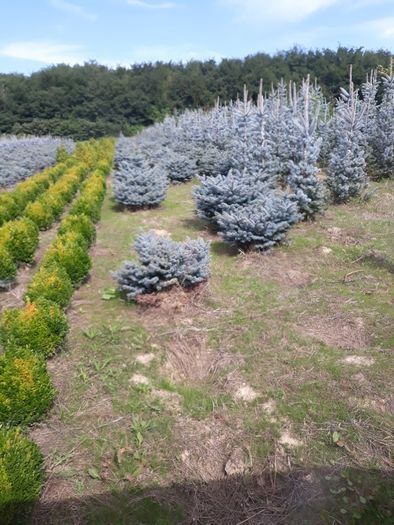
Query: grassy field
(262, 397)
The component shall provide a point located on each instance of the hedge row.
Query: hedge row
(31, 334)
(13, 203)
(48, 207)
(19, 237)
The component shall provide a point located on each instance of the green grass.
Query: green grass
(256, 317)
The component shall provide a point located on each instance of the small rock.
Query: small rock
(325, 250)
(358, 360)
(139, 379)
(334, 230)
(236, 463)
(245, 393)
(286, 439)
(269, 407)
(185, 456)
(162, 233)
(145, 359)
(359, 378)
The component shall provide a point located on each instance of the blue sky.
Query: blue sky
(37, 33)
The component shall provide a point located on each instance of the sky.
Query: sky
(37, 33)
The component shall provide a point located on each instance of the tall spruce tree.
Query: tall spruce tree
(307, 188)
(384, 144)
(347, 175)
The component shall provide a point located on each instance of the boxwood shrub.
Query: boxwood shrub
(40, 213)
(7, 268)
(20, 239)
(9, 208)
(21, 475)
(41, 326)
(52, 283)
(70, 254)
(26, 391)
(80, 224)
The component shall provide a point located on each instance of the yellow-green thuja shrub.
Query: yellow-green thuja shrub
(91, 198)
(47, 208)
(20, 239)
(79, 224)
(21, 476)
(40, 212)
(7, 268)
(41, 326)
(30, 189)
(62, 155)
(69, 252)
(9, 208)
(26, 391)
(52, 283)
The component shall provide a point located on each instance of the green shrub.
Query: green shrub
(52, 283)
(26, 391)
(41, 326)
(40, 212)
(31, 188)
(7, 268)
(8, 208)
(91, 198)
(68, 253)
(20, 239)
(87, 205)
(104, 167)
(80, 224)
(55, 202)
(21, 476)
(62, 154)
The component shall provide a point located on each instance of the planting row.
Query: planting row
(19, 237)
(13, 203)
(20, 158)
(33, 333)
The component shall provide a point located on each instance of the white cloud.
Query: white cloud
(45, 52)
(147, 5)
(74, 9)
(258, 11)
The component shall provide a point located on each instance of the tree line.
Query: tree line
(92, 100)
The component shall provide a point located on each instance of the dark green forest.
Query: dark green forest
(92, 100)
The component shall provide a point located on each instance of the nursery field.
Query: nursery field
(263, 396)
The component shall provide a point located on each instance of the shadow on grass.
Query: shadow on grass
(121, 208)
(314, 497)
(222, 248)
(196, 224)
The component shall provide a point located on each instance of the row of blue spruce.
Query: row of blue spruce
(265, 165)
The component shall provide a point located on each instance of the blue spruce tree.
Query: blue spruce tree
(217, 194)
(384, 144)
(347, 175)
(163, 263)
(137, 184)
(261, 223)
(307, 188)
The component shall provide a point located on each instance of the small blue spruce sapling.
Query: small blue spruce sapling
(163, 263)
